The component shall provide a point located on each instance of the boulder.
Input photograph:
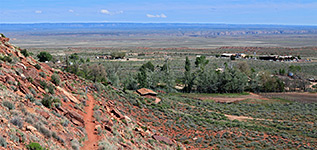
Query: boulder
(157, 100)
(144, 91)
(75, 122)
(3, 120)
(74, 115)
(31, 128)
(68, 95)
(108, 128)
(97, 126)
(117, 114)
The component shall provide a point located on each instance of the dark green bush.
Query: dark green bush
(6, 59)
(47, 101)
(51, 89)
(30, 79)
(44, 56)
(42, 74)
(43, 84)
(37, 66)
(25, 53)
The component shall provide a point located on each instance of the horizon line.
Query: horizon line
(106, 22)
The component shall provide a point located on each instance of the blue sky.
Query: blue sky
(289, 12)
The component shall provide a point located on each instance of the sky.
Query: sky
(283, 12)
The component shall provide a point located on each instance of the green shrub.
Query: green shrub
(56, 79)
(6, 59)
(8, 105)
(37, 66)
(3, 142)
(47, 101)
(42, 74)
(44, 56)
(34, 146)
(51, 89)
(30, 79)
(43, 84)
(25, 53)
(30, 97)
(2, 35)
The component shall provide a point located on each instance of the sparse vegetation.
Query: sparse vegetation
(3, 142)
(9, 105)
(56, 79)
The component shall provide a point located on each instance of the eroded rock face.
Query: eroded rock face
(117, 113)
(68, 95)
(162, 139)
(23, 89)
(43, 113)
(31, 73)
(74, 115)
(10, 79)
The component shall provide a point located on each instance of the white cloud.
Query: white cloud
(71, 11)
(163, 16)
(156, 16)
(107, 12)
(38, 11)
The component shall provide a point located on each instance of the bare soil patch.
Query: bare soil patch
(294, 96)
(233, 99)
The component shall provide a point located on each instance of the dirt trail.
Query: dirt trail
(92, 142)
(233, 99)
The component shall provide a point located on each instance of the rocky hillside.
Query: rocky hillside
(58, 110)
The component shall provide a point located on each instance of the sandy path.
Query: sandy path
(92, 142)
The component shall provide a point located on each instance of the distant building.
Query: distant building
(268, 57)
(227, 55)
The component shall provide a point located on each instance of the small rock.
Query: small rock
(4, 121)
(97, 126)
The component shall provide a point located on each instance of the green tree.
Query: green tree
(244, 67)
(148, 65)
(188, 79)
(44, 56)
(144, 73)
(201, 61)
(74, 57)
(271, 83)
(207, 82)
